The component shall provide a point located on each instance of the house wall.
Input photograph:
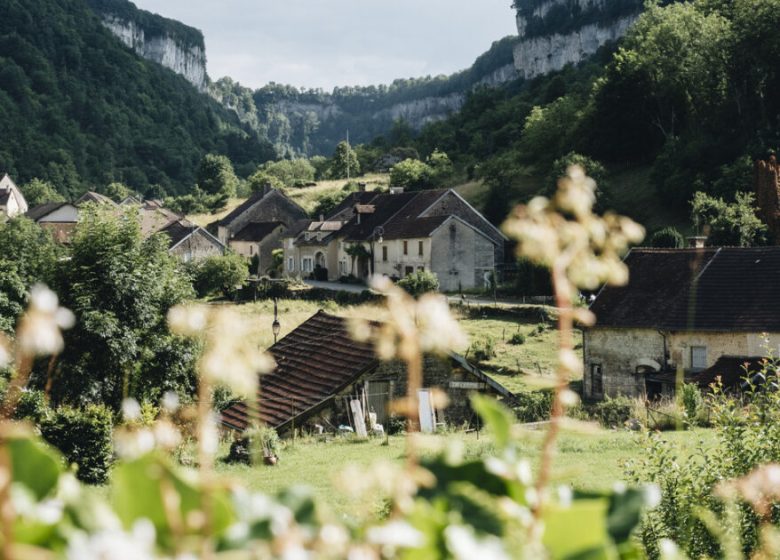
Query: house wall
(299, 252)
(450, 203)
(460, 256)
(197, 246)
(620, 351)
(397, 263)
(263, 248)
(274, 207)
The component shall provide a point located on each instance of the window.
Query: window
(306, 264)
(342, 268)
(408, 270)
(420, 248)
(251, 250)
(406, 247)
(596, 380)
(291, 264)
(698, 357)
(420, 269)
(384, 253)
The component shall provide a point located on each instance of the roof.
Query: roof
(727, 289)
(178, 231)
(347, 205)
(313, 363)
(92, 196)
(732, 371)
(241, 208)
(42, 210)
(416, 228)
(256, 231)
(387, 205)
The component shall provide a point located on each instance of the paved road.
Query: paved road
(336, 286)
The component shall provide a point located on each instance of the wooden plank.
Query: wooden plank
(467, 385)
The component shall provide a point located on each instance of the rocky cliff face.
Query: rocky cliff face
(188, 61)
(554, 33)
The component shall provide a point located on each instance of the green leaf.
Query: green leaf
(578, 531)
(34, 465)
(497, 418)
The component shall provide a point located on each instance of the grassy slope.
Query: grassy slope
(307, 197)
(586, 461)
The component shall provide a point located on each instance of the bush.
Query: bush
(222, 274)
(692, 403)
(257, 444)
(533, 406)
(614, 412)
(419, 283)
(31, 406)
(483, 349)
(412, 174)
(667, 238)
(320, 273)
(517, 339)
(84, 436)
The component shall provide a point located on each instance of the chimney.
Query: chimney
(362, 186)
(266, 187)
(696, 241)
(322, 217)
(396, 190)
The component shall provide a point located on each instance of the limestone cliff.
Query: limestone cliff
(161, 40)
(554, 33)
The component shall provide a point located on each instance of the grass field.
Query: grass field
(592, 461)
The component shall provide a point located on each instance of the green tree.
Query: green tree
(290, 173)
(728, 223)
(594, 169)
(260, 179)
(117, 191)
(38, 191)
(419, 283)
(216, 175)
(120, 287)
(549, 131)
(412, 174)
(441, 166)
(30, 249)
(221, 274)
(344, 162)
(667, 237)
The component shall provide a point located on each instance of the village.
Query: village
(369, 282)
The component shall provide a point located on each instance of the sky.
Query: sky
(327, 43)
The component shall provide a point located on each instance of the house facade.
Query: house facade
(397, 234)
(685, 315)
(12, 201)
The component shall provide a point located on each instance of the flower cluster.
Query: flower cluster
(564, 232)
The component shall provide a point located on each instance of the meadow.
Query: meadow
(591, 461)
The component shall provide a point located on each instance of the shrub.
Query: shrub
(483, 349)
(533, 406)
(517, 339)
(31, 406)
(419, 283)
(614, 412)
(84, 436)
(222, 274)
(256, 444)
(692, 403)
(667, 238)
(412, 174)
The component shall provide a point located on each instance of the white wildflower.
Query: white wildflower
(170, 402)
(652, 493)
(463, 544)
(39, 332)
(396, 534)
(131, 410)
(114, 544)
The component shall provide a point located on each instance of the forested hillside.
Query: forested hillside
(685, 104)
(80, 109)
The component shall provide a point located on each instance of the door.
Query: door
(378, 399)
(427, 412)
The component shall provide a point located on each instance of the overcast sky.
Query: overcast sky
(324, 43)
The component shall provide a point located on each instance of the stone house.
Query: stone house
(12, 201)
(262, 212)
(191, 242)
(399, 233)
(258, 240)
(311, 247)
(687, 314)
(59, 218)
(319, 367)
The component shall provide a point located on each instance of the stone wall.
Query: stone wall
(620, 352)
(460, 256)
(197, 246)
(767, 183)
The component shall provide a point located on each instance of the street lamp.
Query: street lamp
(376, 236)
(275, 326)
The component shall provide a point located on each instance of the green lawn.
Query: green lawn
(587, 461)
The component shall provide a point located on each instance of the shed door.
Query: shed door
(378, 399)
